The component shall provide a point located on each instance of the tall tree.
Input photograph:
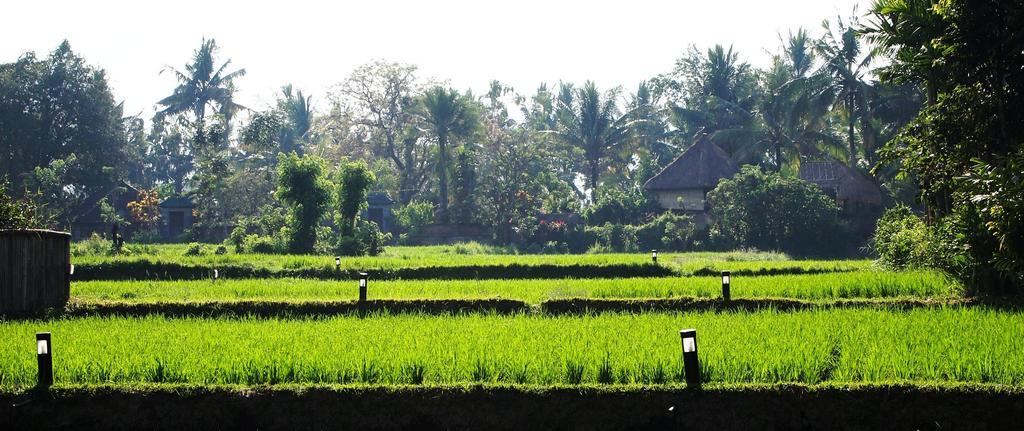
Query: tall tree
(380, 98)
(906, 30)
(60, 127)
(846, 63)
(202, 85)
(449, 115)
(592, 123)
(297, 109)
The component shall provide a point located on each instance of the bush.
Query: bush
(17, 214)
(260, 244)
(411, 219)
(146, 237)
(303, 186)
(615, 237)
(668, 232)
(769, 212)
(367, 240)
(195, 249)
(268, 222)
(619, 206)
(903, 241)
(95, 245)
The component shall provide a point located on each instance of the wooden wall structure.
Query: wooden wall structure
(34, 270)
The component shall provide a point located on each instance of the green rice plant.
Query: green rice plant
(858, 284)
(920, 346)
(474, 260)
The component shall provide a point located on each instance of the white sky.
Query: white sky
(316, 44)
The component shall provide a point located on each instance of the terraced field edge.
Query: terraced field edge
(511, 408)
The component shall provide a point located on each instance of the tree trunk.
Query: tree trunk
(442, 177)
(853, 145)
(778, 155)
(594, 172)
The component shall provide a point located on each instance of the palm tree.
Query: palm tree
(449, 114)
(592, 123)
(202, 84)
(298, 110)
(794, 110)
(799, 53)
(845, 65)
(906, 30)
(725, 100)
(650, 135)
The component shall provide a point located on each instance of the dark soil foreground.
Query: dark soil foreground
(499, 408)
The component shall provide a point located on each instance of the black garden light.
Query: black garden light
(71, 270)
(44, 357)
(654, 256)
(691, 364)
(362, 286)
(215, 275)
(337, 263)
(725, 286)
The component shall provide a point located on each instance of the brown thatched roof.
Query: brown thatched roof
(850, 184)
(699, 167)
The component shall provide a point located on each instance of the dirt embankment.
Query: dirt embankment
(791, 407)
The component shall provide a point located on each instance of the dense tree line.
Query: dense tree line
(514, 161)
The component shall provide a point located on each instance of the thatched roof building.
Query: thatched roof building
(845, 184)
(684, 183)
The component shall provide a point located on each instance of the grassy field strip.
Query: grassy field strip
(413, 257)
(860, 284)
(924, 345)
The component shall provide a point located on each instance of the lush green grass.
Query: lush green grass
(461, 255)
(859, 284)
(923, 346)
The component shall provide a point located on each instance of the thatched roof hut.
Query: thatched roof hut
(684, 183)
(845, 184)
(699, 167)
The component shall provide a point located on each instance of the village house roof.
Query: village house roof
(379, 199)
(177, 202)
(699, 167)
(849, 184)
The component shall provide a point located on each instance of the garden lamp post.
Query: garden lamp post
(44, 358)
(691, 364)
(725, 286)
(654, 256)
(337, 263)
(362, 287)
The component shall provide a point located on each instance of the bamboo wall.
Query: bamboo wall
(34, 270)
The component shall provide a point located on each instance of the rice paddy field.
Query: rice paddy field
(825, 286)
(854, 326)
(845, 346)
(472, 255)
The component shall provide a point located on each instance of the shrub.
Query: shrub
(904, 241)
(615, 237)
(195, 249)
(354, 180)
(94, 245)
(668, 231)
(769, 212)
(304, 188)
(16, 214)
(146, 237)
(617, 205)
(260, 244)
(268, 222)
(411, 218)
(367, 240)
